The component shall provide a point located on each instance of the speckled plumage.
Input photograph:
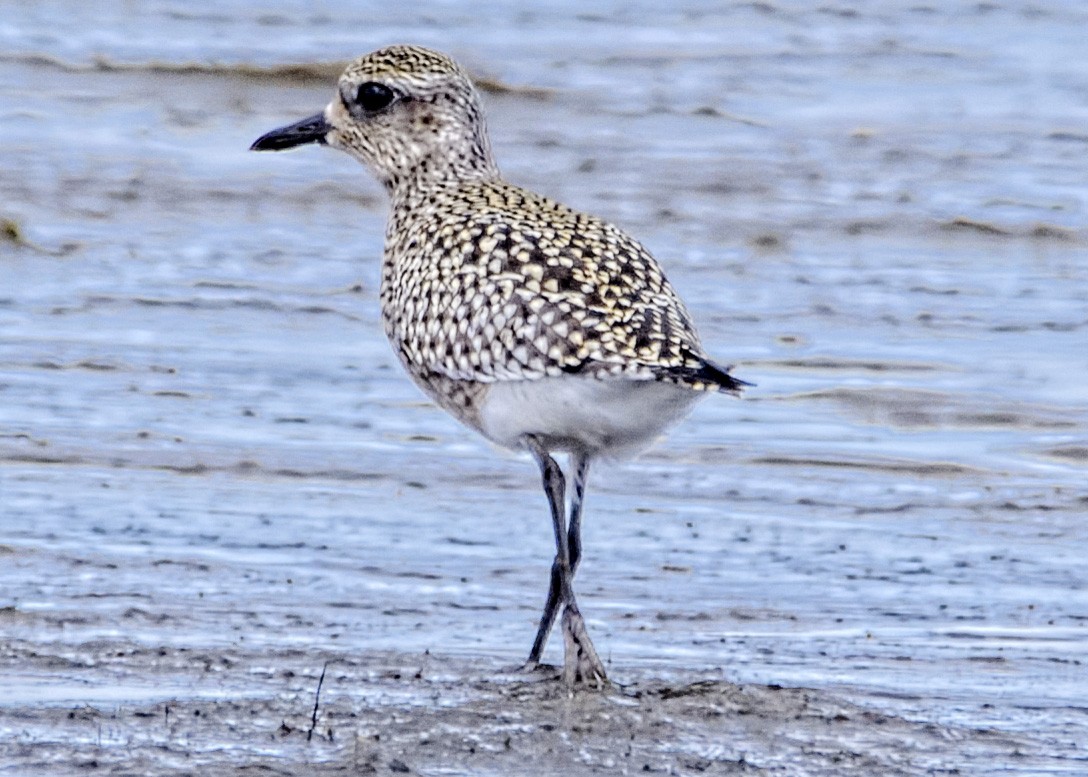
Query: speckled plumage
(484, 281)
(541, 327)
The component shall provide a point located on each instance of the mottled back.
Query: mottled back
(483, 281)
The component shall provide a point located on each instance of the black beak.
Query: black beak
(311, 130)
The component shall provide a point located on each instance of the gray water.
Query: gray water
(875, 211)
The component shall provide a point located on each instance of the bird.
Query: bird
(542, 328)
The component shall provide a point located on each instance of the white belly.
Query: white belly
(610, 417)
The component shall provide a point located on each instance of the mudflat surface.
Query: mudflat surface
(393, 713)
(215, 482)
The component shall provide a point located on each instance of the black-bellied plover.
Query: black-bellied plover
(542, 328)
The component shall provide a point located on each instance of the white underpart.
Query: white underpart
(612, 417)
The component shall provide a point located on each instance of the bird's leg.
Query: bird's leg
(574, 529)
(588, 667)
(547, 620)
(574, 549)
(581, 663)
(554, 489)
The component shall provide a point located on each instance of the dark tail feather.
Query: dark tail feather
(710, 374)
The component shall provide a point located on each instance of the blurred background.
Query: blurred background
(875, 210)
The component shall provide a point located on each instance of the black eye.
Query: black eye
(372, 96)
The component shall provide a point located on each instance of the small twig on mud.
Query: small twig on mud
(317, 701)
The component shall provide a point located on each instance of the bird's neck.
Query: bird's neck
(443, 167)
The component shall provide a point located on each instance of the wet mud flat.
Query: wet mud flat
(215, 482)
(169, 618)
(298, 711)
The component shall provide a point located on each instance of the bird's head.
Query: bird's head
(407, 113)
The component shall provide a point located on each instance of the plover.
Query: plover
(542, 328)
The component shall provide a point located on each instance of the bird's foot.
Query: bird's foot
(581, 664)
(535, 667)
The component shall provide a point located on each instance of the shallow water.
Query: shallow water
(207, 447)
